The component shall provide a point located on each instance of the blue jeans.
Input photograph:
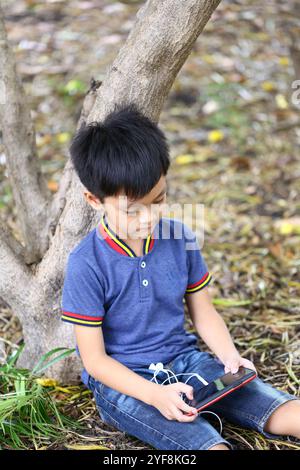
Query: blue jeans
(249, 407)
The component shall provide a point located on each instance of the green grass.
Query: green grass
(29, 414)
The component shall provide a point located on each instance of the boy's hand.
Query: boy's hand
(233, 363)
(168, 401)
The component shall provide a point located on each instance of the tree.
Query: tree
(32, 272)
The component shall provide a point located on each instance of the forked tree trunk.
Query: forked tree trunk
(32, 273)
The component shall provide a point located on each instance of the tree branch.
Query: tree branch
(59, 199)
(144, 70)
(15, 276)
(158, 45)
(29, 187)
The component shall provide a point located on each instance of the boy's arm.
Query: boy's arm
(107, 369)
(210, 325)
(82, 304)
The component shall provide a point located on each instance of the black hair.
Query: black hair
(127, 151)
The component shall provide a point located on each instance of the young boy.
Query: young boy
(123, 291)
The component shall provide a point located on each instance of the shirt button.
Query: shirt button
(143, 264)
(145, 282)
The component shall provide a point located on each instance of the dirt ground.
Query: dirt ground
(233, 127)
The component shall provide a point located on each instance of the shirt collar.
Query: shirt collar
(118, 244)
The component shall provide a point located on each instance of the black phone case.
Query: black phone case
(250, 375)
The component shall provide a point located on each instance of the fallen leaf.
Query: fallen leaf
(47, 382)
(268, 86)
(215, 136)
(86, 447)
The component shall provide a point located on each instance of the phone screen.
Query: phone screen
(201, 394)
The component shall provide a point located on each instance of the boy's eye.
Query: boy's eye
(135, 212)
(132, 211)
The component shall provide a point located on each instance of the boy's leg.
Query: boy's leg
(219, 447)
(285, 420)
(145, 422)
(252, 405)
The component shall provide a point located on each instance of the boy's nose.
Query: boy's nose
(145, 220)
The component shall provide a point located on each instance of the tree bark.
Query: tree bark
(31, 277)
(30, 191)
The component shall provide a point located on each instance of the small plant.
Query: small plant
(28, 412)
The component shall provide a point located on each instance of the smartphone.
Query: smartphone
(219, 388)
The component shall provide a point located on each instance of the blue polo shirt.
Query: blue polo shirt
(136, 300)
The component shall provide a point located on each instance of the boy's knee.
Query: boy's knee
(219, 447)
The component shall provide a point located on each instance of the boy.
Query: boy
(123, 291)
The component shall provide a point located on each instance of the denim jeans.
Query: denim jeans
(249, 407)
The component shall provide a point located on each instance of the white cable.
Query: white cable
(221, 427)
(159, 367)
(191, 375)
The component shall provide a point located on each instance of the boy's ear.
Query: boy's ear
(92, 200)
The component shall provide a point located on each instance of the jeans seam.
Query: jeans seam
(214, 441)
(145, 425)
(105, 411)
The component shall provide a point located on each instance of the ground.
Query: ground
(233, 128)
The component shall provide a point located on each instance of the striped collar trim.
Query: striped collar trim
(118, 244)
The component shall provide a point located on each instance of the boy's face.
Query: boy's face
(133, 218)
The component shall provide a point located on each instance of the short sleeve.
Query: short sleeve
(82, 301)
(198, 273)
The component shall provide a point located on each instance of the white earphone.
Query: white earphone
(159, 367)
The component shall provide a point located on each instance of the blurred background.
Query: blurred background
(232, 119)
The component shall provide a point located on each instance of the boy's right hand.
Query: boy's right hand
(168, 401)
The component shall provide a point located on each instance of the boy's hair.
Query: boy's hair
(127, 151)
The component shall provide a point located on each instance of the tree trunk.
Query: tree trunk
(32, 273)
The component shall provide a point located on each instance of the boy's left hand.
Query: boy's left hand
(232, 364)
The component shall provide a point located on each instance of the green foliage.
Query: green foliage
(28, 412)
